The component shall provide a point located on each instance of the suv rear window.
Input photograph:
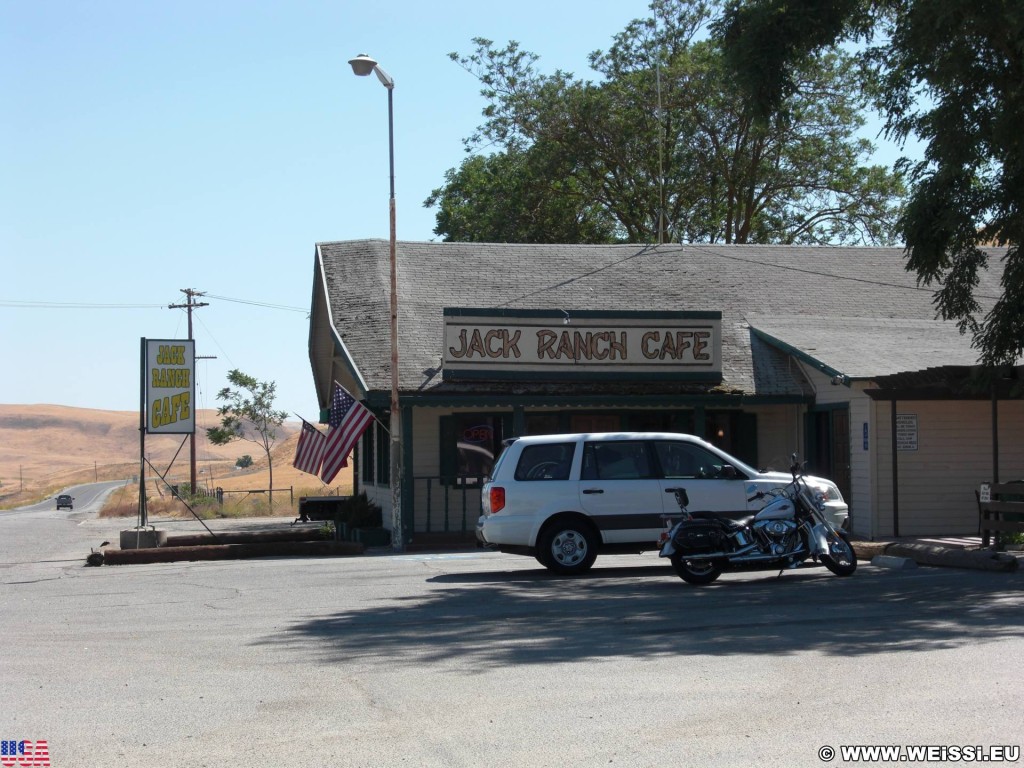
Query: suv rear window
(548, 461)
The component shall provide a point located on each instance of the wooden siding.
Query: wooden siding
(953, 457)
(825, 392)
(861, 469)
(779, 434)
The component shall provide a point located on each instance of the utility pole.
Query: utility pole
(189, 305)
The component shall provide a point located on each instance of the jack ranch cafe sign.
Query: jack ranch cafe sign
(558, 344)
(168, 374)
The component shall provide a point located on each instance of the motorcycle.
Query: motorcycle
(783, 534)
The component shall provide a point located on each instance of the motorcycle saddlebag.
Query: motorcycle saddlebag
(699, 537)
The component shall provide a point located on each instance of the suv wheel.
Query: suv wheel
(567, 546)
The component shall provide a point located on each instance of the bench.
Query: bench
(1000, 509)
(322, 509)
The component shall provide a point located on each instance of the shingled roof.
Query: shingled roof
(855, 311)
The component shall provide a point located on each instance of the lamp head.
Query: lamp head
(362, 65)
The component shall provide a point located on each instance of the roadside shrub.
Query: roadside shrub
(360, 512)
(1015, 538)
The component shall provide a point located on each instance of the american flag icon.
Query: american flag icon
(24, 753)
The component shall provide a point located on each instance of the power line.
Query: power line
(834, 276)
(18, 304)
(72, 305)
(259, 303)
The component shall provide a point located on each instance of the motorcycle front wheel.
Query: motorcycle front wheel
(695, 571)
(841, 560)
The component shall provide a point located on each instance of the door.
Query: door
(841, 451)
(620, 492)
(700, 472)
(828, 446)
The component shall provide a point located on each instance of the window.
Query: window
(735, 432)
(469, 445)
(616, 460)
(595, 422)
(544, 424)
(686, 460)
(383, 455)
(660, 421)
(367, 455)
(551, 461)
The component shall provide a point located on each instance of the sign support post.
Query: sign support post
(167, 394)
(143, 514)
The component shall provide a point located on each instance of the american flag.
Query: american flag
(24, 753)
(309, 453)
(348, 421)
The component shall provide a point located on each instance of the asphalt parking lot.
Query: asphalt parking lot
(478, 658)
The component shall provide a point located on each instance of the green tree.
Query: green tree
(951, 73)
(248, 414)
(244, 461)
(507, 198)
(665, 147)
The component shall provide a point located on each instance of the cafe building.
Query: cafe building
(832, 353)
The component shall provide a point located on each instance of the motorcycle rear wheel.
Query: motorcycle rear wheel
(695, 571)
(843, 560)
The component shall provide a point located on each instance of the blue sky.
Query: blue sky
(147, 147)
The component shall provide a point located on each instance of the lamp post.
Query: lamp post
(363, 65)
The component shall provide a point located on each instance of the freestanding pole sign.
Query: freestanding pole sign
(170, 386)
(167, 394)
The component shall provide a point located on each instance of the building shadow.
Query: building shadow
(494, 619)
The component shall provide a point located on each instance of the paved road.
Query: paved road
(482, 659)
(88, 497)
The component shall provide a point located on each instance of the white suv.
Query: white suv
(563, 498)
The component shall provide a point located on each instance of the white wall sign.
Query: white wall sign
(558, 344)
(906, 431)
(169, 374)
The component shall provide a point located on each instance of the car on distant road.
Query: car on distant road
(564, 498)
(64, 500)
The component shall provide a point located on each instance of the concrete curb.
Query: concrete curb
(244, 537)
(231, 545)
(943, 557)
(231, 552)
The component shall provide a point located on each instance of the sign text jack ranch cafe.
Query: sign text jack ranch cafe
(560, 344)
(168, 385)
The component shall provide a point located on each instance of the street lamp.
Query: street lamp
(363, 65)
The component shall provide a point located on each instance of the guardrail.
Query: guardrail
(1000, 509)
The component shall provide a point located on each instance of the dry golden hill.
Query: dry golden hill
(44, 448)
